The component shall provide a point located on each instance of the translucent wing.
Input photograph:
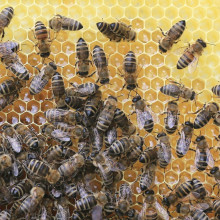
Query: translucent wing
(142, 117)
(210, 159)
(197, 156)
(180, 50)
(183, 143)
(161, 211)
(61, 135)
(167, 152)
(15, 169)
(97, 213)
(171, 119)
(63, 213)
(192, 66)
(15, 143)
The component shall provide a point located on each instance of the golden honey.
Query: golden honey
(202, 20)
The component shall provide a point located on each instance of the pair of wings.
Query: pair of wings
(61, 135)
(183, 143)
(14, 142)
(209, 159)
(143, 117)
(171, 119)
(166, 149)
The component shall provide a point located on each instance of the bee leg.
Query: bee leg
(3, 34)
(192, 149)
(91, 74)
(162, 31)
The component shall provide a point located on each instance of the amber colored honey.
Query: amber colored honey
(202, 20)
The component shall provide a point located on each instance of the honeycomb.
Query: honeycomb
(202, 20)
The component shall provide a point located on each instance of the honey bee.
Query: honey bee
(5, 19)
(148, 156)
(147, 177)
(203, 156)
(10, 86)
(191, 55)
(97, 141)
(20, 189)
(124, 201)
(5, 215)
(124, 123)
(119, 147)
(41, 80)
(41, 34)
(74, 102)
(100, 61)
(60, 22)
(31, 203)
(84, 147)
(8, 100)
(40, 169)
(123, 30)
(106, 116)
(144, 117)
(93, 104)
(171, 121)
(184, 141)
(205, 114)
(28, 136)
(216, 207)
(199, 191)
(164, 151)
(56, 134)
(110, 136)
(178, 90)
(181, 191)
(151, 208)
(72, 166)
(82, 53)
(105, 29)
(85, 89)
(215, 172)
(171, 36)
(11, 137)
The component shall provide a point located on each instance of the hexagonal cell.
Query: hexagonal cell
(103, 12)
(19, 106)
(41, 96)
(20, 34)
(55, 47)
(89, 35)
(68, 71)
(157, 12)
(12, 118)
(130, 175)
(117, 11)
(45, 105)
(39, 118)
(137, 24)
(150, 95)
(61, 59)
(55, 2)
(171, 12)
(137, 48)
(25, 95)
(157, 107)
(2, 118)
(185, 176)
(21, 10)
(109, 48)
(151, 72)
(151, 24)
(68, 47)
(198, 84)
(26, 118)
(178, 165)
(34, 59)
(75, 12)
(171, 177)
(33, 106)
(117, 61)
(157, 60)
(157, 83)
(34, 11)
(116, 84)
(213, 36)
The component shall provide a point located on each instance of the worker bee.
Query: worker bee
(100, 61)
(5, 19)
(28, 136)
(148, 176)
(191, 55)
(203, 156)
(164, 151)
(41, 34)
(171, 36)
(60, 22)
(119, 147)
(8, 100)
(178, 90)
(74, 102)
(123, 122)
(56, 134)
(149, 155)
(144, 117)
(85, 89)
(110, 136)
(93, 104)
(151, 209)
(31, 203)
(106, 116)
(5, 215)
(199, 191)
(72, 166)
(105, 29)
(12, 138)
(184, 141)
(20, 189)
(9, 86)
(124, 201)
(181, 191)
(41, 80)
(171, 121)
(82, 53)
(205, 114)
(87, 201)
(123, 30)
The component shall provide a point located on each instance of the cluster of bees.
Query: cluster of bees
(50, 174)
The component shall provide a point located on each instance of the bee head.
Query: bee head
(44, 55)
(188, 123)
(17, 125)
(5, 126)
(193, 96)
(214, 170)
(200, 138)
(162, 134)
(112, 97)
(81, 40)
(131, 86)
(104, 81)
(99, 25)
(166, 201)
(82, 73)
(162, 50)
(149, 192)
(203, 43)
(178, 207)
(136, 98)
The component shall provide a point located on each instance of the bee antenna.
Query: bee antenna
(211, 44)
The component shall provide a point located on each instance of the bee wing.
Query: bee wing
(97, 212)
(210, 159)
(63, 212)
(167, 152)
(4, 51)
(15, 169)
(43, 213)
(171, 119)
(15, 143)
(197, 156)
(63, 136)
(192, 66)
(180, 50)
(183, 143)
(161, 211)
(141, 118)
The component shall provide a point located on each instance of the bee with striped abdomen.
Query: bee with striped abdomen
(172, 119)
(216, 208)
(119, 147)
(191, 55)
(85, 89)
(123, 30)
(75, 102)
(41, 80)
(171, 37)
(41, 34)
(205, 114)
(60, 22)
(5, 19)
(70, 190)
(144, 116)
(101, 63)
(149, 155)
(82, 53)
(215, 172)
(105, 29)
(216, 90)
(184, 141)
(203, 156)
(199, 191)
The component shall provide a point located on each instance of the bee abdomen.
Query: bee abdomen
(173, 129)
(36, 86)
(216, 206)
(7, 87)
(199, 215)
(148, 156)
(130, 65)
(71, 24)
(119, 146)
(31, 141)
(82, 50)
(177, 29)
(7, 14)
(216, 90)
(99, 57)
(58, 85)
(145, 181)
(149, 125)
(201, 119)
(184, 189)
(202, 163)
(185, 60)
(5, 215)
(40, 31)
(86, 203)
(104, 121)
(37, 167)
(199, 189)
(171, 90)
(151, 214)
